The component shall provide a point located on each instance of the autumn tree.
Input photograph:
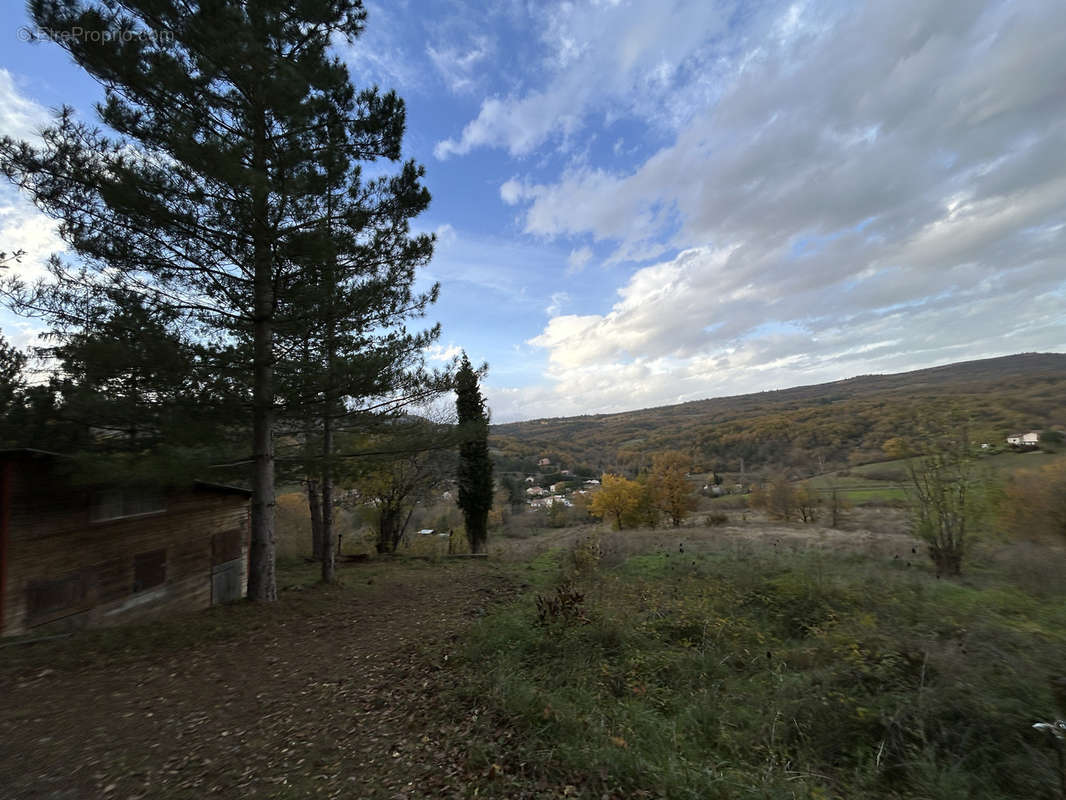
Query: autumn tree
(808, 503)
(946, 490)
(474, 474)
(836, 503)
(671, 491)
(616, 499)
(1034, 503)
(224, 113)
(778, 498)
(392, 487)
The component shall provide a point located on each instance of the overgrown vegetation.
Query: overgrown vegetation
(751, 674)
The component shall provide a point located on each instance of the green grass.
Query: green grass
(1002, 463)
(765, 675)
(862, 484)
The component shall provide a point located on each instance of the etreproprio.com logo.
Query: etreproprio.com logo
(28, 33)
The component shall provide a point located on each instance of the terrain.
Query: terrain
(808, 428)
(753, 659)
(330, 692)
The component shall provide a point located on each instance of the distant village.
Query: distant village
(557, 492)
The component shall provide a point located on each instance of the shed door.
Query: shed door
(226, 566)
(226, 582)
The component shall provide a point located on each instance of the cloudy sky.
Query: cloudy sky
(648, 201)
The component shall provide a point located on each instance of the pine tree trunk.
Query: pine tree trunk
(329, 556)
(314, 504)
(261, 578)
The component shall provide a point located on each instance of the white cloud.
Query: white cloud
(457, 65)
(443, 354)
(381, 55)
(872, 190)
(558, 300)
(648, 59)
(578, 259)
(23, 227)
(446, 235)
(512, 191)
(20, 117)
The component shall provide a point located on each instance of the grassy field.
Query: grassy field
(752, 671)
(885, 481)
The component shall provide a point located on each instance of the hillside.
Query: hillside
(830, 424)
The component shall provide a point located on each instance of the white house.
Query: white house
(1030, 439)
(592, 482)
(536, 491)
(530, 480)
(560, 486)
(548, 502)
(544, 462)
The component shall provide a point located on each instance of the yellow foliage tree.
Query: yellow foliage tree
(670, 488)
(617, 498)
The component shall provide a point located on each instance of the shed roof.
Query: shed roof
(13, 453)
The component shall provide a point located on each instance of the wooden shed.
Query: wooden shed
(74, 555)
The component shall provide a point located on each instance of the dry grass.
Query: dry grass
(871, 531)
(292, 529)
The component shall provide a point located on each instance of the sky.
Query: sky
(646, 202)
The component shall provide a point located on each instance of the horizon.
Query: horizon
(784, 388)
(636, 209)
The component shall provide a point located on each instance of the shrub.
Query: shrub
(565, 608)
(1034, 503)
(586, 555)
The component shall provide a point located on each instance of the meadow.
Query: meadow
(777, 662)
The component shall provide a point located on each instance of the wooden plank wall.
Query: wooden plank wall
(53, 543)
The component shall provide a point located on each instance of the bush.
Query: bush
(563, 609)
(586, 555)
(716, 518)
(1034, 503)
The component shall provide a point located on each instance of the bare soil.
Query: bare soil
(332, 692)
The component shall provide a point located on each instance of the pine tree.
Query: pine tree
(351, 356)
(475, 465)
(225, 112)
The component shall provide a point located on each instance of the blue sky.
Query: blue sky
(645, 202)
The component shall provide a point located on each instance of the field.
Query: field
(885, 481)
(748, 660)
(761, 665)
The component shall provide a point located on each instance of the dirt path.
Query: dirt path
(331, 692)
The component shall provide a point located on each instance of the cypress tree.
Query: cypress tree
(475, 466)
(203, 204)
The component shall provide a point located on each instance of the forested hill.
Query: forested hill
(833, 424)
